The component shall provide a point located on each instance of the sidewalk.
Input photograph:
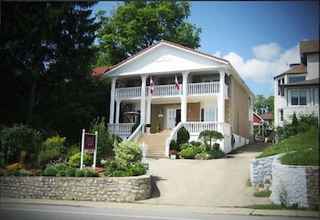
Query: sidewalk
(203, 210)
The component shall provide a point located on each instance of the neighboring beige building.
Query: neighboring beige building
(167, 86)
(297, 89)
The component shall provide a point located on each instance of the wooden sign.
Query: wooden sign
(89, 144)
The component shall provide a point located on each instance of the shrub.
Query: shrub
(61, 173)
(182, 136)
(14, 140)
(188, 153)
(137, 169)
(70, 171)
(14, 167)
(105, 139)
(216, 153)
(127, 152)
(185, 145)
(299, 124)
(174, 145)
(209, 137)
(50, 170)
(113, 168)
(196, 143)
(89, 172)
(51, 149)
(73, 149)
(80, 173)
(202, 156)
(74, 160)
(21, 172)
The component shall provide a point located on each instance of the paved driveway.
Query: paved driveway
(221, 182)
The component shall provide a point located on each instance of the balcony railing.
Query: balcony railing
(128, 92)
(165, 90)
(122, 129)
(203, 88)
(207, 88)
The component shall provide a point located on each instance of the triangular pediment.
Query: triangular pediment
(165, 57)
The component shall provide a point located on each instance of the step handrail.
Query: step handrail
(173, 135)
(137, 133)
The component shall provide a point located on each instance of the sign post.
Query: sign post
(95, 150)
(82, 148)
(89, 144)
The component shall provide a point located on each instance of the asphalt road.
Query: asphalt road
(59, 212)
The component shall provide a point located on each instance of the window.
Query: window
(281, 114)
(279, 82)
(294, 79)
(299, 97)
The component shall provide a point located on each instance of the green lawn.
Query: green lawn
(305, 145)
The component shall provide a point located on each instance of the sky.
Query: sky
(260, 39)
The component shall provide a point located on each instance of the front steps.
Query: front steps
(155, 144)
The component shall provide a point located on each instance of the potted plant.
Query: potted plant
(173, 150)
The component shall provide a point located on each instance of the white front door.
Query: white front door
(171, 117)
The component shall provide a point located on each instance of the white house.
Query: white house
(297, 89)
(167, 86)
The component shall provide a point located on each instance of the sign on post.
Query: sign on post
(89, 144)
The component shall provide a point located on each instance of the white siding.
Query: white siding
(313, 66)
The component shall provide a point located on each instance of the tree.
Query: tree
(46, 54)
(209, 137)
(136, 25)
(263, 104)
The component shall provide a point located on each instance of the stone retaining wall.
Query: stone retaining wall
(261, 170)
(116, 189)
(295, 185)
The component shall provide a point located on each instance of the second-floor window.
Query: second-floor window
(295, 79)
(298, 97)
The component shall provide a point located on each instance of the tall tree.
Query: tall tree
(263, 104)
(135, 25)
(46, 52)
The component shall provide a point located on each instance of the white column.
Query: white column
(118, 111)
(112, 97)
(221, 106)
(184, 96)
(148, 119)
(143, 99)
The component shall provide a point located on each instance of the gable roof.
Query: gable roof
(168, 43)
(296, 69)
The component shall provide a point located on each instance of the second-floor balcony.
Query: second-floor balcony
(193, 89)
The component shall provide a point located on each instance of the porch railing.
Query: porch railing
(128, 92)
(137, 133)
(203, 88)
(173, 136)
(195, 127)
(122, 129)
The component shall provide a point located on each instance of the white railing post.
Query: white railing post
(118, 110)
(112, 97)
(143, 99)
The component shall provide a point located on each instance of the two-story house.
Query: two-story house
(297, 89)
(167, 86)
